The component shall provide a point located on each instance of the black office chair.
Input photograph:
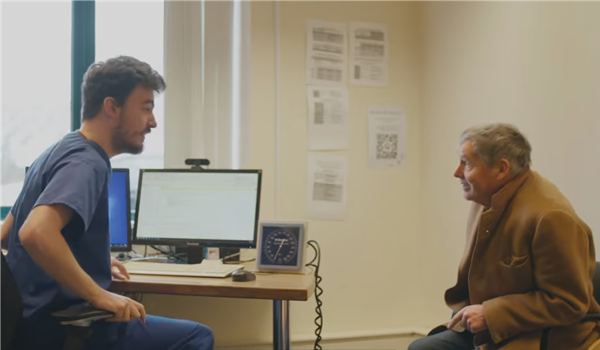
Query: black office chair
(77, 320)
(545, 345)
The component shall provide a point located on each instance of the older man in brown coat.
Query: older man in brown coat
(529, 259)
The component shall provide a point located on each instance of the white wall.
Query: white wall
(534, 64)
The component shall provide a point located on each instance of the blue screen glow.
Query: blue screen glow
(118, 210)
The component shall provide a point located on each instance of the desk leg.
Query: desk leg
(281, 324)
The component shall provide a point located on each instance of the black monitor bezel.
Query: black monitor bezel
(124, 248)
(197, 242)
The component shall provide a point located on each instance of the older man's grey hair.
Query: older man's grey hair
(492, 142)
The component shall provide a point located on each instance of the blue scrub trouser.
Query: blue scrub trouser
(158, 333)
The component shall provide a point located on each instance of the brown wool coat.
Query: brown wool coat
(529, 260)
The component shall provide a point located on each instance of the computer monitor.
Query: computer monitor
(119, 210)
(205, 208)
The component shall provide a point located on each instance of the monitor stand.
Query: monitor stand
(194, 254)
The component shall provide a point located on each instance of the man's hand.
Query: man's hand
(125, 309)
(121, 272)
(472, 318)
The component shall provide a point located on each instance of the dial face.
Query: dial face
(280, 246)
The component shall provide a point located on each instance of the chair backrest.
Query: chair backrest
(12, 305)
(596, 282)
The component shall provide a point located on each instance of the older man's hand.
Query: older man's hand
(472, 318)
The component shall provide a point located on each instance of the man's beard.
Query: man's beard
(120, 144)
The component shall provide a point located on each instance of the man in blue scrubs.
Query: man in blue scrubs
(57, 232)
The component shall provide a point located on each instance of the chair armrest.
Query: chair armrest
(81, 315)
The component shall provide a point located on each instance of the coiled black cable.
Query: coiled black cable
(318, 291)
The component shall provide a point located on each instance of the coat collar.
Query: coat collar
(500, 200)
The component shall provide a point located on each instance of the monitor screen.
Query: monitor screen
(217, 208)
(119, 212)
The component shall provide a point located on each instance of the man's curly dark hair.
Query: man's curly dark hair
(116, 77)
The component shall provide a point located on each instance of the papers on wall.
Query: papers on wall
(368, 54)
(327, 51)
(327, 179)
(387, 136)
(327, 118)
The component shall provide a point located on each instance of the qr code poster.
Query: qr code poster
(387, 136)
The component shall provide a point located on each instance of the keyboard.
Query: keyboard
(207, 268)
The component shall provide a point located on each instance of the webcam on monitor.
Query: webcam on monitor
(197, 163)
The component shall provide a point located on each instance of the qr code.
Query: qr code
(387, 146)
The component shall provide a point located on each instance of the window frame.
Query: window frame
(83, 51)
(185, 135)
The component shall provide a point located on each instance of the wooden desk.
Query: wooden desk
(277, 287)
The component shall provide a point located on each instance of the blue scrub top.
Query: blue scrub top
(75, 172)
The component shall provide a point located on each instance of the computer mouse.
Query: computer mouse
(242, 276)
